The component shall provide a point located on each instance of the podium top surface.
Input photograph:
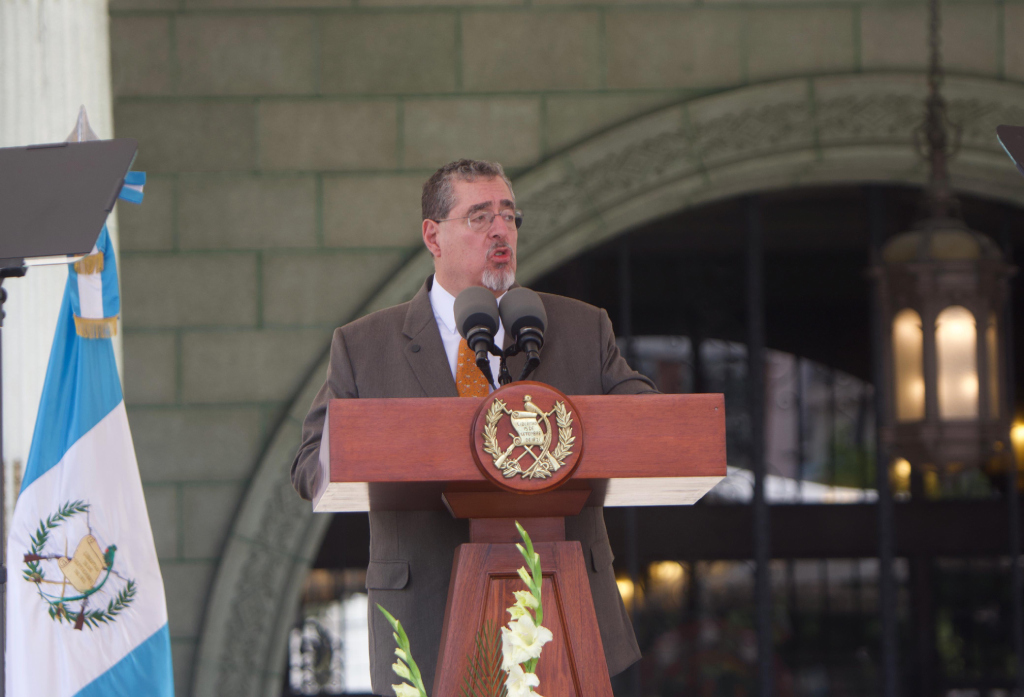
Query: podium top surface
(400, 454)
(54, 198)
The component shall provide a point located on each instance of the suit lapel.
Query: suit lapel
(424, 350)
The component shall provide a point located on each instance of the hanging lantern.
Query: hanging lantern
(942, 289)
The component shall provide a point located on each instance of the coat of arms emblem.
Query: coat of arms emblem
(530, 455)
(85, 590)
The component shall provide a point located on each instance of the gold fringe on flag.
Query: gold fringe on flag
(102, 328)
(90, 264)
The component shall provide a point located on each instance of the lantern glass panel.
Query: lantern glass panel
(992, 345)
(956, 347)
(907, 350)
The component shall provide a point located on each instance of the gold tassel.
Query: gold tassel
(90, 264)
(102, 328)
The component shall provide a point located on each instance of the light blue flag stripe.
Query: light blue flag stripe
(133, 185)
(131, 195)
(81, 387)
(111, 294)
(148, 665)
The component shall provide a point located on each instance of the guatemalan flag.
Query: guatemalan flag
(85, 602)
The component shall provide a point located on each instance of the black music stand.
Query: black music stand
(54, 200)
(1012, 140)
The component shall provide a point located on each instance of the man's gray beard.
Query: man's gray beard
(499, 280)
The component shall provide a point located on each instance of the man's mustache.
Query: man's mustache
(502, 245)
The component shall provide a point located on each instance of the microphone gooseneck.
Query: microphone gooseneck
(476, 318)
(522, 312)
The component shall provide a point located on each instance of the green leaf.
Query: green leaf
(484, 676)
(389, 617)
(401, 638)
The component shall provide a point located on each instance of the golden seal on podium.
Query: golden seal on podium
(525, 437)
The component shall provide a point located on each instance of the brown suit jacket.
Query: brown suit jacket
(398, 352)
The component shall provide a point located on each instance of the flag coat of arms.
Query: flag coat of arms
(86, 613)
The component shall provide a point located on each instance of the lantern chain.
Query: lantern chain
(941, 203)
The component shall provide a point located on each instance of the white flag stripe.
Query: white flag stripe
(44, 656)
(90, 295)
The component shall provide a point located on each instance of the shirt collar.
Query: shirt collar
(443, 304)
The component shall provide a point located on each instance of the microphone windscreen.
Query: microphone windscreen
(476, 307)
(521, 308)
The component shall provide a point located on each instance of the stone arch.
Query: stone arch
(824, 130)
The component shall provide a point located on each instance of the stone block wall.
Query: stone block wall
(286, 142)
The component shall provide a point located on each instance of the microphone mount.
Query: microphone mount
(530, 341)
(478, 316)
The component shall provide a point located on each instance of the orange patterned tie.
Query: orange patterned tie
(468, 378)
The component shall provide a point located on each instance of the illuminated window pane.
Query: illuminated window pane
(907, 351)
(956, 342)
(992, 339)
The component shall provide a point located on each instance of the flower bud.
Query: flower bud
(401, 670)
(405, 690)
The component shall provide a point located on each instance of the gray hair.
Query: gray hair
(439, 191)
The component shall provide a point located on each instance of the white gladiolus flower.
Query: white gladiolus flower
(522, 641)
(525, 575)
(526, 599)
(521, 684)
(506, 649)
(405, 690)
(517, 611)
(401, 654)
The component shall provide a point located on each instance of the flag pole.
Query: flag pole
(9, 272)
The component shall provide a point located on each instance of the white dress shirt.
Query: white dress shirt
(443, 304)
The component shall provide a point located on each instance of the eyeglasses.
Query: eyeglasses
(481, 221)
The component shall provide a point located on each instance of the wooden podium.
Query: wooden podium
(528, 453)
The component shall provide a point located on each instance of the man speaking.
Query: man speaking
(470, 226)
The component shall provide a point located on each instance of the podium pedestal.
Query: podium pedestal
(483, 580)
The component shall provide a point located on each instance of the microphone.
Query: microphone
(476, 317)
(524, 317)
